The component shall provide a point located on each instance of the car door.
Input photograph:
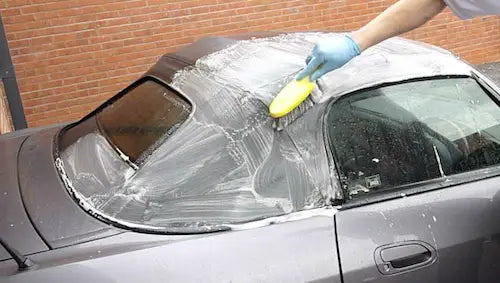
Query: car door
(448, 235)
(419, 165)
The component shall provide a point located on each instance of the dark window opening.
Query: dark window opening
(142, 119)
(406, 133)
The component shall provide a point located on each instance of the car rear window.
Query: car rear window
(407, 133)
(142, 119)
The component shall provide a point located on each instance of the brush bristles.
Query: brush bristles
(283, 122)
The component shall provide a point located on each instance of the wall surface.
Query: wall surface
(5, 121)
(71, 55)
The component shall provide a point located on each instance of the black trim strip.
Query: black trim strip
(337, 245)
(8, 76)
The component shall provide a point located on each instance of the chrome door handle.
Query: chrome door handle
(403, 256)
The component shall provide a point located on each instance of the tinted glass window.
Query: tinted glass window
(407, 133)
(142, 118)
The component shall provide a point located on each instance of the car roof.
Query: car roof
(228, 148)
(262, 59)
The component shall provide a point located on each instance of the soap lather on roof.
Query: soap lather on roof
(262, 66)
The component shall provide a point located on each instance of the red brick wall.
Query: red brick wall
(70, 55)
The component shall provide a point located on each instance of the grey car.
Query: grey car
(389, 172)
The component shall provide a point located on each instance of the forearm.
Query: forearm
(403, 16)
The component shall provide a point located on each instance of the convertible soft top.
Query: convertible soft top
(260, 54)
(226, 157)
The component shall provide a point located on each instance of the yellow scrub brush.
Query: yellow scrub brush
(290, 97)
(291, 102)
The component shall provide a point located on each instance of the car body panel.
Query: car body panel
(460, 223)
(298, 251)
(59, 220)
(15, 225)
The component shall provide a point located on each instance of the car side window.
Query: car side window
(402, 134)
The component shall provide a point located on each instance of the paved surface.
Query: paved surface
(492, 70)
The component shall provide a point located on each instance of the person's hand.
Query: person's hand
(329, 54)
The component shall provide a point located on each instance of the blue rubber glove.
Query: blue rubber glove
(329, 54)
